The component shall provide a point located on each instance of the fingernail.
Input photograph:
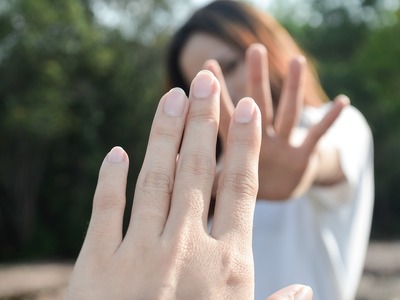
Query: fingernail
(304, 293)
(174, 103)
(244, 111)
(203, 84)
(344, 99)
(301, 59)
(116, 155)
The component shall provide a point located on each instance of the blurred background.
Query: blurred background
(80, 76)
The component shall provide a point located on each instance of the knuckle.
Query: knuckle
(166, 134)
(203, 113)
(197, 164)
(247, 140)
(242, 182)
(107, 199)
(107, 203)
(156, 181)
(236, 267)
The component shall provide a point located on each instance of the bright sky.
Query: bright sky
(109, 15)
(263, 4)
(298, 12)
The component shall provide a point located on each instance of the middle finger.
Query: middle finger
(195, 170)
(292, 98)
(258, 82)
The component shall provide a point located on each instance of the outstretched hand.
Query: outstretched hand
(290, 160)
(168, 251)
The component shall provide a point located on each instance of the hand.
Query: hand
(168, 251)
(296, 291)
(290, 161)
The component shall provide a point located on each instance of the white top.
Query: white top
(321, 238)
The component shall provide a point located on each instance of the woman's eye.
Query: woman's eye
(229, 67)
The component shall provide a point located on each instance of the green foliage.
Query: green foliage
(70, 89)
(378, 64)
(360, 59)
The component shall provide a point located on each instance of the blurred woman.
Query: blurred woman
(313, 214)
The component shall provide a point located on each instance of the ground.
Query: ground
(47, 281)
(381, 277)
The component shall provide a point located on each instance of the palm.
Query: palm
(282, 167)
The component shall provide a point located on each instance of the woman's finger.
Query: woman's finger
(238, 182)
(292, 98)
(318, 130)
(104, 234)
(156, 178)
(258, 81)
(195, 170)
(226, 104)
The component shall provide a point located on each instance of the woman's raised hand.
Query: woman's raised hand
(289, 159)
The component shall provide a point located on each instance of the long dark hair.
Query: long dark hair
(240, 25)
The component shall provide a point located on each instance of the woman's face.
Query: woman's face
(202, 46)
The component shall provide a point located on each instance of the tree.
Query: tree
(70, 89)
(377, 65)
(358, 56)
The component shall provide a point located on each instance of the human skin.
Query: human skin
(291, 160)
(168, 251)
